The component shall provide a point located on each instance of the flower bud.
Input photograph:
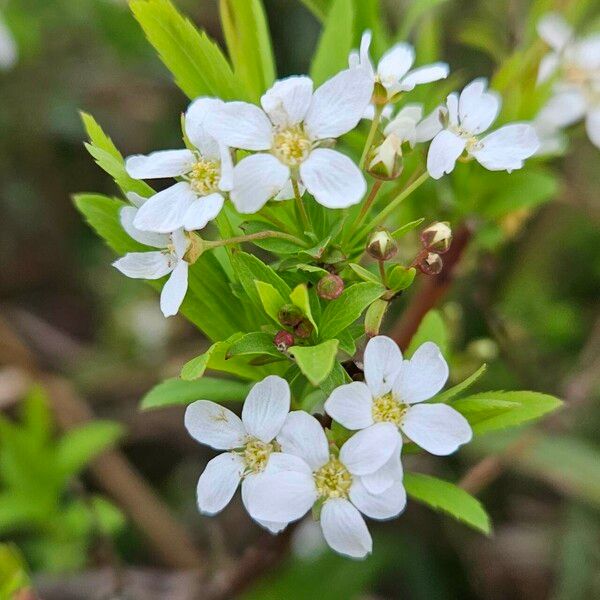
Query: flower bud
(330, 287)
(385, 161)
(304, 329)
(437, 237)
(283, 340)
(431, 264)
(290, 315)
(381, 245)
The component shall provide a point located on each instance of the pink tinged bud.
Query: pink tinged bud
(290, 315)
(381, 245)
(330, 287)
(437, 237)
(283, 340)
(430, 264)
(303, 329)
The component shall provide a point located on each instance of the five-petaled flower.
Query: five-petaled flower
(465, 118)
(306, 474)
(288, 133)
(170, 259)
(205, 172)
(250, 442)
(392, 397)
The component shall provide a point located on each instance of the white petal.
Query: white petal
(157, 240)
(445, 148)
(421, 377)
(144, 265)
(136, 199)
(391, 472)
(478, 108)
(201, 211)
(174, 290)
(548, 66)
(554, 30)
(425, 74)
(351, 405)
(592, 126)
(437, 428)
(370, 448)
(164, 163)
(196, 116)
(164, 212)
(288, 100)
(344, 529)
(250, 484)
(395, 63)
(282, 497)
(338, 105)
(507, 147)
(407, 116)
(271, 526)
(266, 407)
(282, 461)
(9, 52)
(256, 179)
(386, 505)
(302, 435)
(226, 179)
(218, 482)
(241, 125)
(452, 106)
(180, 242)
(214, 425)
(563, 109)
(332, 178)
(429, 127)
(382, 362)
(363, 59)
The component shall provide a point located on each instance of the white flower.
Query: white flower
(8, 47)
(392, 395)
(288, 131)
(206, 172)
(154, 265)
(393, 70)
(249, 441)
(305, 473)
(467, 116)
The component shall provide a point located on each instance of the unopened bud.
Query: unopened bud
(304, 329)
(381, 245)
(283, 340)
(437, 237)
(431, 264)
(330, 287)
(290, 315)
(385, 161)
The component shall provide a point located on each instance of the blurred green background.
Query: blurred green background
(526, 303)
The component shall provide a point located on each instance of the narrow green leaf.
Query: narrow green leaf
(335, 42)
(406, 228)
(447, 497)
(270, 299)
(196, 62)
(257, 342)
(401, 278)
(319, 8)
(342, 312)
(374, 317)
(177, 391)
(431, 329)
(249, 44)
(337, 377)
(299, 297)
(364, 274)
(316, 362)
(457, 389)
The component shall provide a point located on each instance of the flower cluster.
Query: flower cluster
(573, 68)
(288, 466)
(250, 155)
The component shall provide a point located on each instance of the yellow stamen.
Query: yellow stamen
(388, 410)
(204, 176)
(291, 145)
(256, 454)
(333, 480)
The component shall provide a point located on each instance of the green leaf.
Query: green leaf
(447, 497)
(319, 8)
(299, 297)
(401, 278)
(13, 573)
(406, 228)
(316, 362)
(257, 342)
(177, 391)
(364, 274)
(249, 44)
(415, 11)
(77, 447)
(196, 62)
(455, 390)
(431, 329)
(337, 377)
(528, 406)
(342, 312)
(374, 317)
(274, 245)
(270, 299)
(109, 159)
(335, 42)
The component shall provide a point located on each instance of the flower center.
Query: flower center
(256, 454)
(291, 145)
(204, 176)
(388, 410)
(333, 480)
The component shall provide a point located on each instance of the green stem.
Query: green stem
(393, 205)
(382, 272)
(268, 214)
(366, 206)
(371, 135)
(260, 235)
(300, 205)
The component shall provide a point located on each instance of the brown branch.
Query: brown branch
(432, 289)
